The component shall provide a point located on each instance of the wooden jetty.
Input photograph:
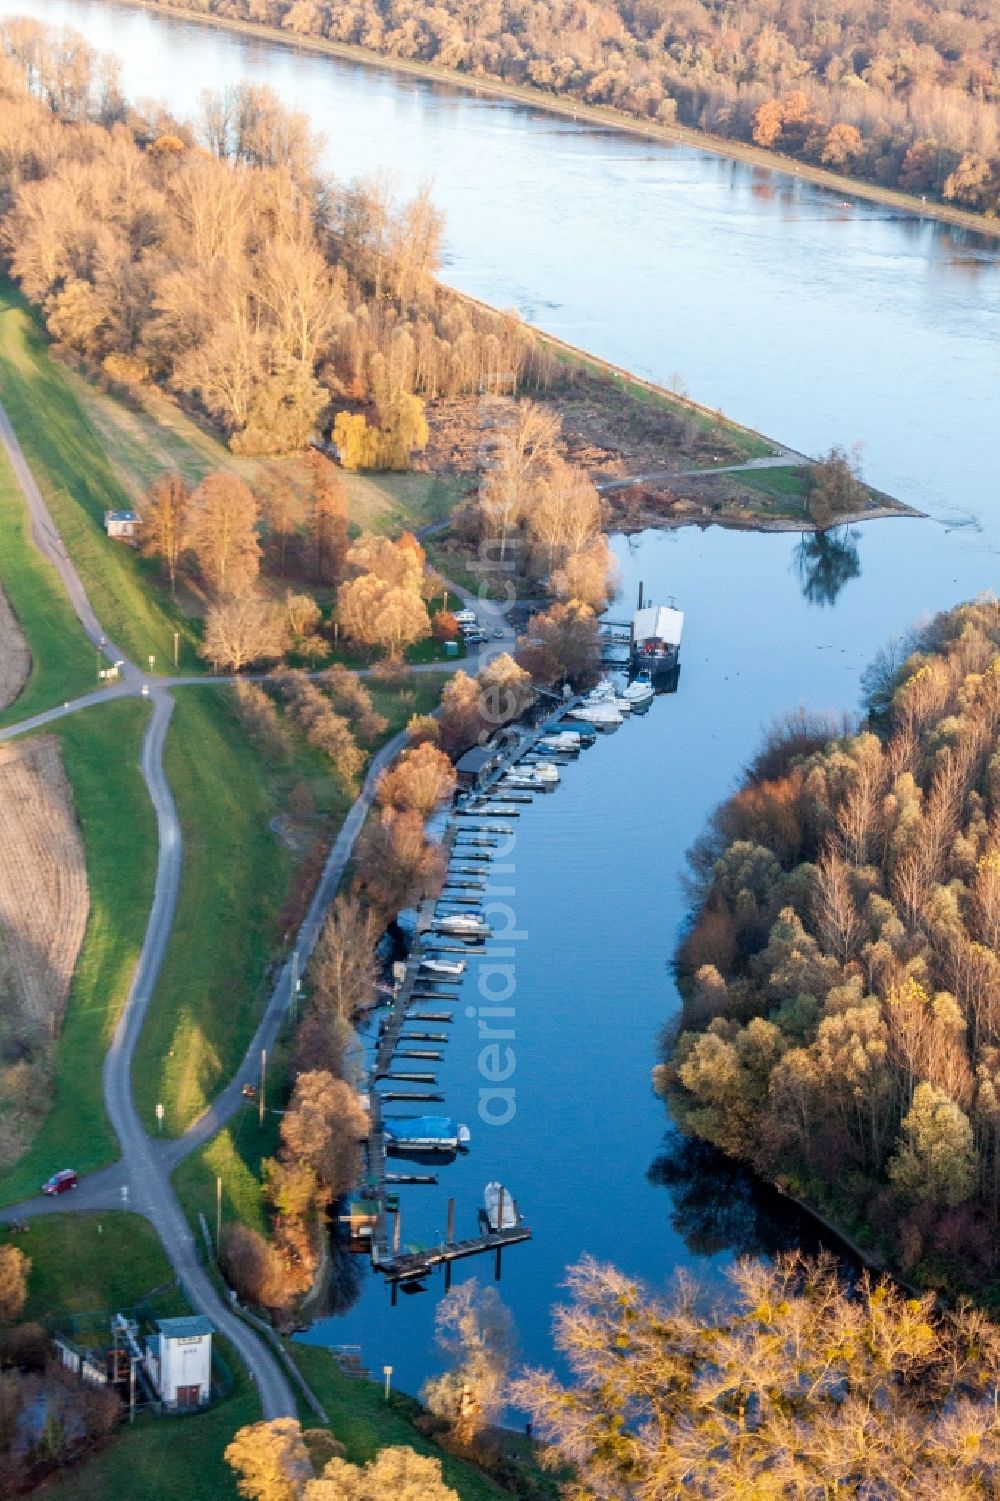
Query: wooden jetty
(424, 1037)
(421, 1097)
(412, 1266)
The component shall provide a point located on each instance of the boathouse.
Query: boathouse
(477, 765)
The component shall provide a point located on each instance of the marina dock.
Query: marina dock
(472, 835)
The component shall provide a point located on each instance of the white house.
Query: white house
(122, 525)
(179, 1360)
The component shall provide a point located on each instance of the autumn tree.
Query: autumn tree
(327, 519)
(795, 1381)
(243, 629)
(476, 1333)
(166, 523)
(323, 1127)
(375, 613)
(398, 865)
(14, 1269)
(420, 780)
(343, 969)
(224, 533)
(834, 486)
(270, 1460)
(562, 644)
(397, 1471)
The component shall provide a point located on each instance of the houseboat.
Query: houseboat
(656, 638)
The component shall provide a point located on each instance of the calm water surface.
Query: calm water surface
(816, 321)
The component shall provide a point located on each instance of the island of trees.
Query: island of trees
(840, 1029)
(905, 96)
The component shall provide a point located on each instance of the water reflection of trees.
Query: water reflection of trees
(718, 1206)
(825, 562)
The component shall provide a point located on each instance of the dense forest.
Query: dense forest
(903, 94)
(841, 975)
(216, 260)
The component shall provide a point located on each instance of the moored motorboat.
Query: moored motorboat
(502, 1212)
(426, 1133)
(450, 967)
(603, 716)
(463, 924)
(640, 691)
(545, 771)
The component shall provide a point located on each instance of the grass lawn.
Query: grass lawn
(63, 663)
(235, 880)
(101, 749)
(79, 483)
(392, 503)
(786, 487)
(86, 1263)
(364, 1422)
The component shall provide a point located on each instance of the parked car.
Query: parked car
(59, 1183)
(474, 638)
(466, 617)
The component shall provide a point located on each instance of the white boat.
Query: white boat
(603, 716)
(566, 743)
(545, 771)
(607, 693)
(501, 1208)
(640, 692)
(462, 923)
(450, 967)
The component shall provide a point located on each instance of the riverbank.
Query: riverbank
(602, 115)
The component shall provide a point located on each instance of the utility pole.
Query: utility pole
(177, 646)
(387, 1373)
(263, 1085)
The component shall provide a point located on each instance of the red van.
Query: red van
(60, 1182)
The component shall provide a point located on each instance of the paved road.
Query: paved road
(141, 1172)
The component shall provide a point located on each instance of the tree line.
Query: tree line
(840, 1028)
(216, 259)
(904, 95)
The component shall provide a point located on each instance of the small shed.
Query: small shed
(476, 765)
(179, 1361)
(123, 526)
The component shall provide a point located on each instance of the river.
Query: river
(816, 321)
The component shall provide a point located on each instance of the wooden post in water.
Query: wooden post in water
(450, 1233)
(640, 594)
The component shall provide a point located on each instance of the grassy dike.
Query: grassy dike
(605, 116)
(79, 484)
(63, 664)
(235, 879)
(101, 750)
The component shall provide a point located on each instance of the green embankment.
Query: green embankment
(79, 485)
(63, 664)
(101, 749)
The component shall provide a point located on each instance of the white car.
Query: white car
(466, 617)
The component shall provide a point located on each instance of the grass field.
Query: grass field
(84, 1263)
(79, 483)
(101, 748)
(63, 664)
